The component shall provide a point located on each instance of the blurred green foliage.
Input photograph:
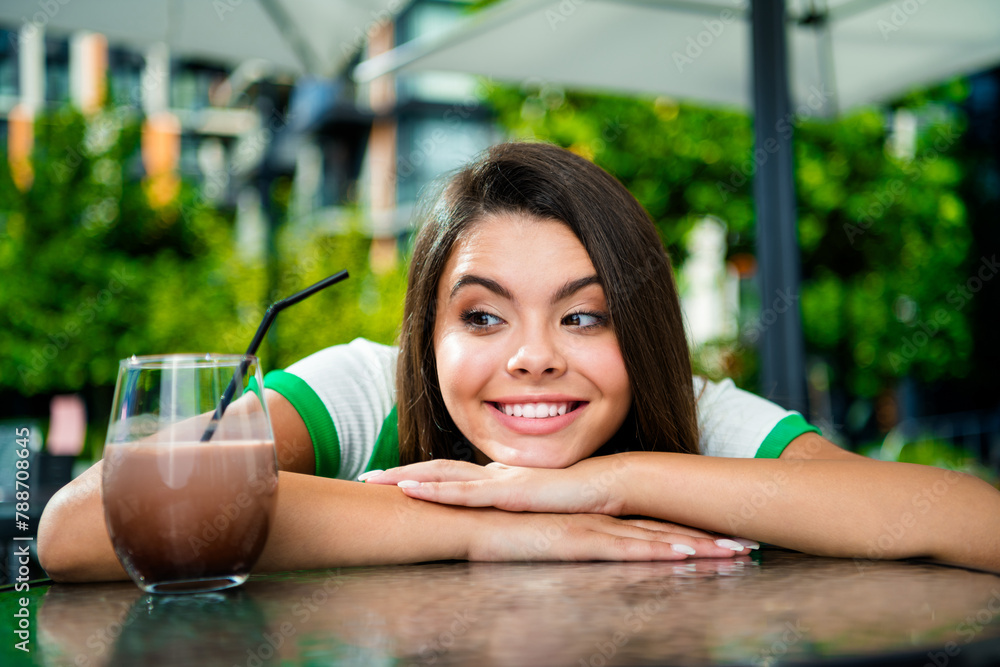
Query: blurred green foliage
(885, 241)
(369, 305)
(933, 452)
(93, 274)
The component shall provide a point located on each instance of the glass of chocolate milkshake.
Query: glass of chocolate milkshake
(189, 495)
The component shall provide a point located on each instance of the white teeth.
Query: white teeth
(534, 410)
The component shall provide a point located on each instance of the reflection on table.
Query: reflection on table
(776, 608)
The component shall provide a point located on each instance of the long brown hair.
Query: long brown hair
(548, 182)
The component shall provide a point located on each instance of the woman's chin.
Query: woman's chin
(531, 455)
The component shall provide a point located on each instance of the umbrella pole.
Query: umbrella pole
(780, 343)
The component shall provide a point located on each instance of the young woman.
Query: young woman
(542, 389)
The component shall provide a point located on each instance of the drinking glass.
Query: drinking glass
(188, 511)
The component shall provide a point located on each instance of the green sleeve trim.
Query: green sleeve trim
(782, 434)
(317, 419)
(252, 386)
(386, 454)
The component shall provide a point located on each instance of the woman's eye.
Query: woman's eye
(478, 319)
(585, 320)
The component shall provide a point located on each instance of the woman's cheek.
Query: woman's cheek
(606, 368)
(463, 369)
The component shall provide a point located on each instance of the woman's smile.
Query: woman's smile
(537, 417)
(528, 362)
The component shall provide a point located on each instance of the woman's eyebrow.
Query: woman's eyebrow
(567, 290)
(575, 286)
(488, 283)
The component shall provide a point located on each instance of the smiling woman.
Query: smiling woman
(595, 237)
(541, 390)
(528, 363)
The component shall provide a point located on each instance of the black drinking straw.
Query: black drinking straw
(258, 338)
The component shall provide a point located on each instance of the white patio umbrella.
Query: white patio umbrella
(841, 53)
(817, 57)
(299, 36)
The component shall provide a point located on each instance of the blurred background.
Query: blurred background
(171, 168)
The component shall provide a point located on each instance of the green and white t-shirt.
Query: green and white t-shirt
(345, 394)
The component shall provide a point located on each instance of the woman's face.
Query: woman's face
(528, 364)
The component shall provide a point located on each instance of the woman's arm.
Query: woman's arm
(816, 498)
(323, 522)
(330, 523)
(819, 499)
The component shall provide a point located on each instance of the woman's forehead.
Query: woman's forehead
(503, 238)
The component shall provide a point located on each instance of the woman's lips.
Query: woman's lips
(527, 418)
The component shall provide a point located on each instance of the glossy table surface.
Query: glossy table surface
(775, 607)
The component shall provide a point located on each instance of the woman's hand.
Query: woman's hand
(584, 537)
(589, 487)
(585, 487)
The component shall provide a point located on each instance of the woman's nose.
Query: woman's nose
(537, 355)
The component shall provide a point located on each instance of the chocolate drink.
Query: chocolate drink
(189, 511)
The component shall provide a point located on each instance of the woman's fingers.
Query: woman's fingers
(476, 493)
(442, 470)
(504, 487)
(589, 537)
(654, 524)
(607, 544)
(692, 542)
(737, 544)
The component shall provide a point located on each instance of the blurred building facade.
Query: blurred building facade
(346, 149)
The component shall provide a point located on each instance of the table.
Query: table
(774, 607)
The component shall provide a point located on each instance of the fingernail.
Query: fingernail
(683, 549)
(368, 475)
(729, 544)
(750, 544)
(408, 484)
